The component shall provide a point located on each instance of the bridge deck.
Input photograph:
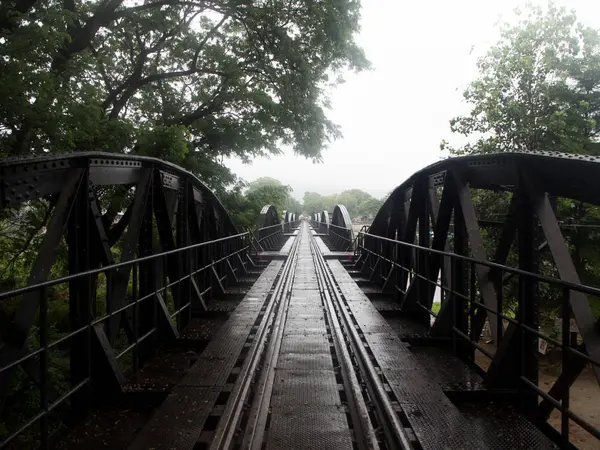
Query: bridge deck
(181, 419)
(306, 400)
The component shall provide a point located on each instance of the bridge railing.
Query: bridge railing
(268, 237)
(158, 306)
(514, 359)
(340, 236)
(294, 224)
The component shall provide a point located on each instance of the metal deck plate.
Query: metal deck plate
(309, 428)
(409, 386)
(309, 344)
(228, 344)
(208, 372)
(500, 427)
(321, 245)
(306, 325)
(394, 358)
(304, 387)
(440, 426)
(450, 372)
(307, 294)
(178, 422)
(305, 361)
(288, 245)
(313, 308)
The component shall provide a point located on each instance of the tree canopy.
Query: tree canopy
(187, 81)
(538, 88)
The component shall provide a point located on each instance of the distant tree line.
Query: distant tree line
(246, 200)
(360, 204)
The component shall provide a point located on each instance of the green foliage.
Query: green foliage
(538, 88)
(359, 203)
(187, 82)
(244, 202)
(293, 205)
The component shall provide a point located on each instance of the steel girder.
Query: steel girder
(341, 232)
(435, 209)
(269, 227)
(290, 221)
(165, 198)
(324, 222)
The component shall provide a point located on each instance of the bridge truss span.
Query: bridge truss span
(147, 246)
(483, 240)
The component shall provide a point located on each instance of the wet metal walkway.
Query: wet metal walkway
(306, 361)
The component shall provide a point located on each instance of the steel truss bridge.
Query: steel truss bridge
(148, 320)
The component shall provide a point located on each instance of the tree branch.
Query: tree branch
(135, 82)
(80, 41)
(203, 110)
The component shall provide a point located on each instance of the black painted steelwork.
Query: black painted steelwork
(174, 248)
(290, 221)
(338, 227)
(321, 222)
(269, 228)
(427, 239)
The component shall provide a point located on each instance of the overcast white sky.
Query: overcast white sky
(394, 117)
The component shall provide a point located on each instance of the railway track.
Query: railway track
(309, 376)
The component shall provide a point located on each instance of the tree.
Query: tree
(293, 205)
(538, 88)
(263, 181)
(186, 81)
(313, 202)
(244, 201)
(369, 207)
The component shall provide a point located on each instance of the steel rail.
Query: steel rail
(227, 428)
(395, 435)
(365, 434)
(259, 411)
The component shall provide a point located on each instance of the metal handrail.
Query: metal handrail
(47, 406)
(554, 281)
(49, 283)
(567, 348)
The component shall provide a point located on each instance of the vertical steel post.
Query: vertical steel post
(148, 280)
(528, 305)
(44, 444)
(461, 247)
(80, 300)
(566, 316)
